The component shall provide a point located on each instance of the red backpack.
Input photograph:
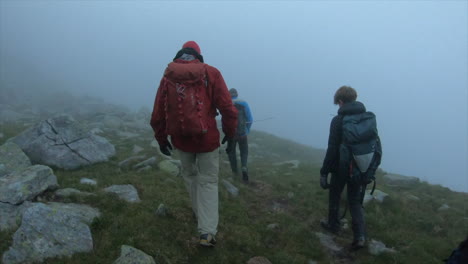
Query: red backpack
(187, 103)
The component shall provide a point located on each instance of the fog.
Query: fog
(407, 60)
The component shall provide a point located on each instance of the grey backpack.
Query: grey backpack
(359, 147)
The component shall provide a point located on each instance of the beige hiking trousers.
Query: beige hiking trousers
(200, 172)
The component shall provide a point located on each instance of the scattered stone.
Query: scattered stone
(146, 168)
(137, 149)
(127, 135)
(12, 158)
(49, 231)
(258, 260)
(10, 215)
(162, 210)
(376, 248)
(293, 164)
(232, 190)
(148, 162)
(273, 226)
(96, 131)
(378, 196)
(154, 144)
(399, 180)
(88, 181)
(253, 146)
(290, 195)
(328, 242)
(125, 192)
(20, 186)
(1, 135)
(62, 142)
(131, 255)
(413, 197)
(128, 161)
(444, 207)
(67, 192)
(169, 167)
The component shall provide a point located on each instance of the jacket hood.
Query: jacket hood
(352, 108)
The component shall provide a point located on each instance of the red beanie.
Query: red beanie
(192, 44)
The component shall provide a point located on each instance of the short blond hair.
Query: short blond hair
(346, 94)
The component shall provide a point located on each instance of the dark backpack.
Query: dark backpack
(241, 119)
(359, 147)
(187, 104)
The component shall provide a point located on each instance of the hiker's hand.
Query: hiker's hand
(324, 181)
(225, 139)
(164, 148)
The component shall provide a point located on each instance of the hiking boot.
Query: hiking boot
(207, 240)
(332, 229)
(358, 243)
(245, 175)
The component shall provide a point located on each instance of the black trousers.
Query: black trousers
(244, 152)
(355, 197)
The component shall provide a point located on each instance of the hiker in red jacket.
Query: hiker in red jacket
(186, 104)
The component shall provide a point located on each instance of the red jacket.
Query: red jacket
(220, 99)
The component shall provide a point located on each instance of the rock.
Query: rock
(273, 226)
(96, 131)
(148, 162)
(49, 231)
(130, 255)
(12, 158)
(62, 142)
(146, 168)
(20, 186)
(290, 195)
(413, 197)
(169, 167)
(232, 190)
(128, 161)
(377, 248)
(162, 210)
(293, 164)
(399, 180)
(378, 196)
(258, 260)
(154, 144)
(10, 215)
(67, 192)
(328, 242)
(137, 149)
(444, 207)
(88, 181)
(125, 192)
(127, 135)
(1, 135)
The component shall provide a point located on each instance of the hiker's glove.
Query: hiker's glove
(324, 182)
(164, 148)
(225, 139)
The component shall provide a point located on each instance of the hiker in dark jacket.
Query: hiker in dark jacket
(245, 119)
(342, 175)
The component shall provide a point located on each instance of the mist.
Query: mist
(407, 60)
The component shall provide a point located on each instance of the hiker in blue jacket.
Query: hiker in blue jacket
(353, 123)
(244, 123)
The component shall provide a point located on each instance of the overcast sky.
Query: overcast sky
(407, 60)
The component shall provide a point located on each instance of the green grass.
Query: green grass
(415, 229)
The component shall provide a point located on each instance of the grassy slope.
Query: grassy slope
(416, 229)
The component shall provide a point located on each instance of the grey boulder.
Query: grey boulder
(125, 192)
(62, 142)
(10, 215)
(399, 180)
(26, 184)
(232, 190)
(49, 231)
(376, 248)
(170, 167)
(12, 158)
(131, 255)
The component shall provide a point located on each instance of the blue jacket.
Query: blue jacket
(248, 113)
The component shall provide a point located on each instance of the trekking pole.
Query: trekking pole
(264, 119)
